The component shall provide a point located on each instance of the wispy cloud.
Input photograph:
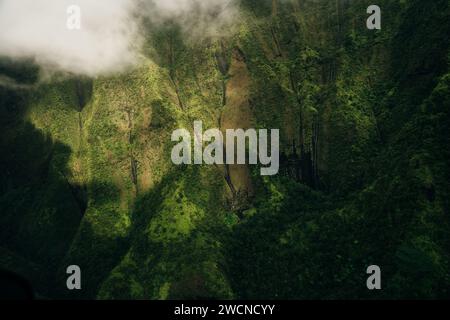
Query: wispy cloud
(109, 38)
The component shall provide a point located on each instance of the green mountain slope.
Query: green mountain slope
(86, 176)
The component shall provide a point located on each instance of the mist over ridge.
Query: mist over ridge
(111, 33)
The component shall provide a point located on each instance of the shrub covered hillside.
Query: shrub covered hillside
(86, 176)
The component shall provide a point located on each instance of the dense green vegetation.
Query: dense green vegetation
(86, 176)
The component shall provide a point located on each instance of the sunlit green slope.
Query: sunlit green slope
(86, 176)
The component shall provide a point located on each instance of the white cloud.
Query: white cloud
(109, 38)
(199, 18)
(37, 28)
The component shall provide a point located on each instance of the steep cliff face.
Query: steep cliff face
(87, 179)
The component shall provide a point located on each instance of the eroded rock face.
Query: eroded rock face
(237, 114)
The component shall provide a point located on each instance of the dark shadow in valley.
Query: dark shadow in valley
(40, 208)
